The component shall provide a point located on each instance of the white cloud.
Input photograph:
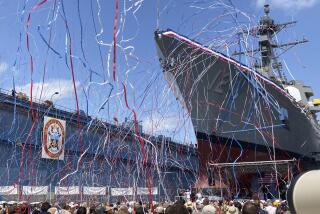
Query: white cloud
(159, 124)
(3, 67)
(288, 4)
(178, 128)
(62, 86)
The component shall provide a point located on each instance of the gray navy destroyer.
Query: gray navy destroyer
(242, 113)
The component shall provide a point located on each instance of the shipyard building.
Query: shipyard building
(45, 146)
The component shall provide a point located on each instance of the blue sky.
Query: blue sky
(137, 62)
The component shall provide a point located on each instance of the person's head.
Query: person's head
(238, 205)
(35, 212)
(100, 210)
(209, 209)
(205, 201)
(10, 209)
(269, 203)
(282, 208)
(232, 210)
(23, 209)
(108, 210)
(256, 199)
(159, 210)
(52, 210)
(123, 210)
(67, 207)
(81, 210)
(177, 209)
(92, 210)
(250, 208)
(45, 206)
(193, 197)
(139, 210)
(276, 203)
(63, 205)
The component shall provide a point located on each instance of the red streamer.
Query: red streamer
(115, 40)
(141, 141)
(33, 115)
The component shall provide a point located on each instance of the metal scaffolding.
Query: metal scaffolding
(248, 167)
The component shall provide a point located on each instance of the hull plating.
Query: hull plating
(228, 100)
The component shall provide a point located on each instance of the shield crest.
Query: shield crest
(53, 138)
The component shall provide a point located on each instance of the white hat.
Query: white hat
(159, 210)
(188, 204)
(72, 204)
(52, 210)
(35, 203)
(232, 210)
(209, 209)
(64, 211)
(83, 204)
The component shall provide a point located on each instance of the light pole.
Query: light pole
(55, 93)
(49, 103)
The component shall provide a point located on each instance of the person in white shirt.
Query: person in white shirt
(270, 209)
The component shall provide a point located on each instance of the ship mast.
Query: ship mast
(267, 30)
(270, 65)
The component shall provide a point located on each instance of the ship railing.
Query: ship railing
(36, 100)
(9, 93)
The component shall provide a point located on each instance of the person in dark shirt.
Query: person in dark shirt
(82, 210)
(177, 209)
(250, 208)
(44, 208)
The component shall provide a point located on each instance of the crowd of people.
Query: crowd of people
(203, 206)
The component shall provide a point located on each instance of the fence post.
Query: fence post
(50, 193)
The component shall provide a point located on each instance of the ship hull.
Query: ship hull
(228, 100)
